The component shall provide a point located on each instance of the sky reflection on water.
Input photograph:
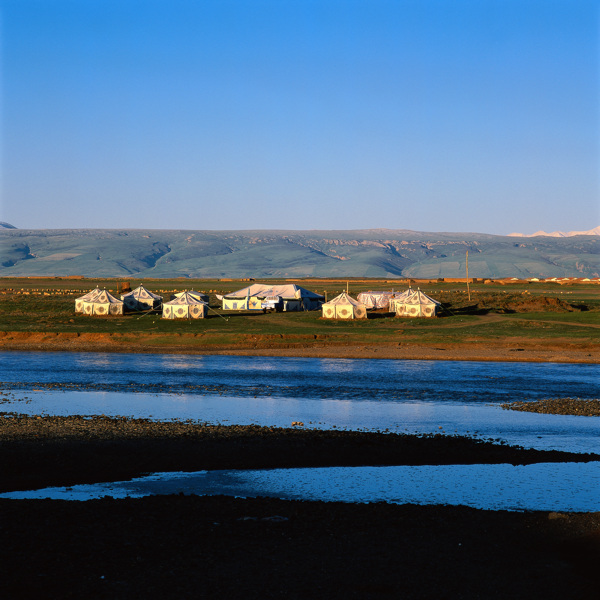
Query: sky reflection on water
(396, 395)
(548, 487)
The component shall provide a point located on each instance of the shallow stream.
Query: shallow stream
(448, 397)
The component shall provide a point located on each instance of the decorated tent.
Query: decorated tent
(199, 295)
(344, 307)
(416, 304)
(141, 299)
(86, 298)
(103, 303)
(399, 298)
(293, 297)
(375, 299)
(185, 306)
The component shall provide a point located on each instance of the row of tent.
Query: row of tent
(194, 305)
(184, 305)
(411, 303)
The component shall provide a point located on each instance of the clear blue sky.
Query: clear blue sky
(452, 115)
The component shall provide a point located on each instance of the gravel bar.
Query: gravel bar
(558, 406)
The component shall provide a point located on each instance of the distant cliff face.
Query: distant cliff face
(6, 225)
(292, 254)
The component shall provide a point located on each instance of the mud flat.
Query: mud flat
(43, 451)
(221, 547)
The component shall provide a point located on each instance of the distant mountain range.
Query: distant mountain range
(595, 231)
(382, 253)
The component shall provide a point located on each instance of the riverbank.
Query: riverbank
(219, 547)
(502, 350)
(40, 451)
(222, 547)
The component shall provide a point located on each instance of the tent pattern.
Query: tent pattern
(86, 298)
(293, 297)
(344, 307)
(414, 304)
(141, 299)
(185, 306)
(103, 303)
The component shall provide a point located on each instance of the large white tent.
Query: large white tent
(86, 298)
(293, 297)
(185, 306)
(141, 299)
(415, 304)
(103, 303)
(375, 299)
(344, 307)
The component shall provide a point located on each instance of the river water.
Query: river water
(450, 397)
(395, 395)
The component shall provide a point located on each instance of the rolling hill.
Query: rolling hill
(261, 254)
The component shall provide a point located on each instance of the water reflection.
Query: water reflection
(403, 396)
(179, 361)
(547, 487)
(357, 380)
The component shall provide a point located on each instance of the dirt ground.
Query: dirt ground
(507, 349)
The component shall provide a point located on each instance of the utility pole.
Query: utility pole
(468, 289)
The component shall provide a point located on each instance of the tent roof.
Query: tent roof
(343, 298)
(105, 297)
(379, 292)
(419, 297)
(90, 295)
(405, 294)
(185, 298)
(286, 291)
(199, 295)
(143, 293)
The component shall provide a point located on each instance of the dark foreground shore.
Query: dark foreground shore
(220, 547)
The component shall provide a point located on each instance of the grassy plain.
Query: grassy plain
(507, 316)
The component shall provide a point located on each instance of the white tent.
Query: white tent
(416, 304)
(86, 298)
(185, 306)
(399, 298)
(141, 299)
(293, 297)
(375, 299)
(344, 307)
(103, 303)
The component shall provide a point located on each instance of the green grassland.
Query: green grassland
(484, 313)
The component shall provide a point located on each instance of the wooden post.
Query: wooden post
(468, 289)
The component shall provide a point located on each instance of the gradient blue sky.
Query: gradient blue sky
(452, 115)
